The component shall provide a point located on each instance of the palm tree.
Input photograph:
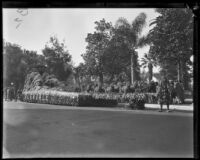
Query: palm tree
(131, 33)
(148, 62)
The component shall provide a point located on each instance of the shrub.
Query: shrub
(125, 97)
(35, 81)
(137, 101)
(102, 99)
(85, 99)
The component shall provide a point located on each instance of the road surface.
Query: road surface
(41, 130)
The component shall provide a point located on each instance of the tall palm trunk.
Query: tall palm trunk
(132, 70)
(134, 73)
(150, 68)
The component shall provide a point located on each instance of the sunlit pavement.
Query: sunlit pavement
(181, 107)
(41, 130)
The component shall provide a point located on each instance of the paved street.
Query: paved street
(40, 130)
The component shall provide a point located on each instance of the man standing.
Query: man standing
(8, 93)
(19, 94)
(163, 94)
(179, 92)
(172, 92)
(12, 92)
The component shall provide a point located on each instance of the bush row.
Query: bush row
(135, 100)
(66, 98)
(86, 99)
(51, 97)
(125, 98)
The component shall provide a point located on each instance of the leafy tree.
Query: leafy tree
(32, 59)
(96, 49)
(14, 68)
(168, 69)
(57, 59)
(117, 59)
(171, 39)
(36, 81)
(131, 36)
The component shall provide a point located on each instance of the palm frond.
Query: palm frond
(143, 41)
(152, 23)
(139, 23)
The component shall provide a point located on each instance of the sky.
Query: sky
(69, 24)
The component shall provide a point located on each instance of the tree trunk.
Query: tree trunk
(100, 79)
(150, 67)
(100, 71)
(134, 73)
(132, 70)
(179, 71)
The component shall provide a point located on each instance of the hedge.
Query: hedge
(125, 98)
(66, 98)
(86, 99)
